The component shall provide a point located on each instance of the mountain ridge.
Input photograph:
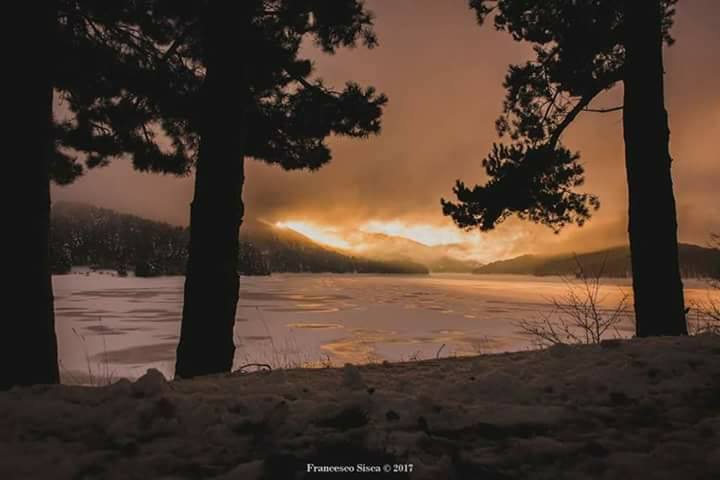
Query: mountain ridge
(695, 262)
(83, 234)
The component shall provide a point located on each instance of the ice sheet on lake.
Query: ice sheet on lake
(126, 325)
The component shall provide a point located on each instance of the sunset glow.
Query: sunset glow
(426, 234)
(424, 241)
(324, 235)
(352, 238)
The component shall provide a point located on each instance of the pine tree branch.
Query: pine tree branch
(309, 85)
(178, 40)
(582, 105)
(604, 110)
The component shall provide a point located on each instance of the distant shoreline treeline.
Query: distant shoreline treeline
(83, 235)
(88, 236)
(695, 262)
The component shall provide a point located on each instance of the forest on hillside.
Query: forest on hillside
(83, 235)
(695, 262)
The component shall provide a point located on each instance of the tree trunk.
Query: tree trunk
(211, 280)
(657, 286)
(29, 349)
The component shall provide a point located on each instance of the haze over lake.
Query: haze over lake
(122, 326)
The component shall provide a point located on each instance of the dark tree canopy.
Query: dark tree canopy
(534, 183)
(161, 71)
(292, 113)
(130, 74)
(579, 54)
(123, 91)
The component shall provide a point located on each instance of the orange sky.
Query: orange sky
(443, 75)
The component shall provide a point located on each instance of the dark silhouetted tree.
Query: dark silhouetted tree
(657, 286)
(258, 100)
(29, 346)
(582, 49)
(122, 93)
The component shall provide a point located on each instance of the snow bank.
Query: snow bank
(637, 409)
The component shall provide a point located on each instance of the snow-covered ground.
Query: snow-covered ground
(119, 327)
(640, 409)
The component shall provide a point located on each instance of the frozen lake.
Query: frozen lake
(119, 327)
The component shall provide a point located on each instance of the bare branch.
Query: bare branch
(582, 104)
(578, 316)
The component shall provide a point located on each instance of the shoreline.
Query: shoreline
(623, 409)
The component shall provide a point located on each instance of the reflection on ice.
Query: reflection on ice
(158, 352)
(295, 320)
(314, 325)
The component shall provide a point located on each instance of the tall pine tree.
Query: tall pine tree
(657, 285)
(28, 351)
(258, 100)
(122, 93)
(582, 49)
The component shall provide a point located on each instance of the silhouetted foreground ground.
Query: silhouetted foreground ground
(636, 409)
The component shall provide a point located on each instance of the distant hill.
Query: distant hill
(523, 265)
(286, 250)
(438, 258)
(695, 261)
(447, 264)
(102, 238)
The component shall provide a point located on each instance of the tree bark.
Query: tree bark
(657, 286)
(211, 282)
(29, 346)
